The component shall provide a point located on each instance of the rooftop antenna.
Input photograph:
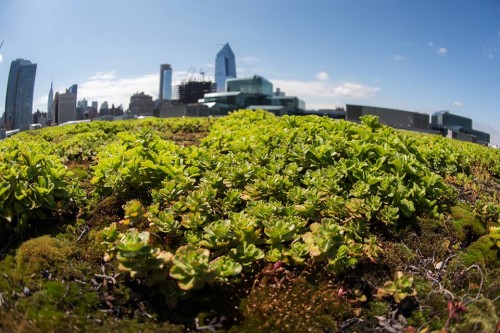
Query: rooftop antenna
(202, 73)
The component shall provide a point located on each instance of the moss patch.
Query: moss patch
(482, 252)
(42, 253)
(466, 226)
(297, 306)
(480, 316)
(397, 255)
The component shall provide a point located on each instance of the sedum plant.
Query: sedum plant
(135, 255)
(190, 267)
(33, 185)
(312, 191)
(495, 236)
(399, 289)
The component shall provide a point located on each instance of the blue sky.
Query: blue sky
(423, 55)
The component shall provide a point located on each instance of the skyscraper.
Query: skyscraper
(165, 82)
(50, 102)
(73, 89)
(225, 67)
(19, 98)
(64, 107)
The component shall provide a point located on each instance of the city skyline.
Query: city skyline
(412, 55)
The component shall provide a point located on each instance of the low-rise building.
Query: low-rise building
(409, 120)
(253, 93)
(457, 127)
(141, 104)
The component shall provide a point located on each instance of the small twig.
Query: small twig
(80, 282)
(82, 233)
(385, 324)
(106, 277)
(64, 296)
(445, 262)
(2, 301)
(351, 321)
(480, 284)
(147, 314)
(212, 326)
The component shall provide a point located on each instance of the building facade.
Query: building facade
(290, 102)
(64, 107)
(225, 67)
(165, 82)
(141, 104)
(457, 127)
(413, 121)
(449, 120)
(191, 91)
(253, 93)
(104, 109)
(19, 97)
(255, 85)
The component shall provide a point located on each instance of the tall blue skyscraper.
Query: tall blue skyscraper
(19, 98)
(165, 82)
(225, 67)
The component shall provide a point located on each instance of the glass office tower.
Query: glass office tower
(165, 82)
(225, 67)
(256, 85)
(19, 98)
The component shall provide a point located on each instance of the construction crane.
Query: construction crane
(187, 74)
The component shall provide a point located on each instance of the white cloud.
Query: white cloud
(325, 94)
(249, 60)
(210, 65)
(103, 76)
(322, 76)
(355, 90)
(41, 103)
(241, 72)
(431, 44)
(397, 57)
(442, 50)
(1, 58)
(107, 86)
(457, 104)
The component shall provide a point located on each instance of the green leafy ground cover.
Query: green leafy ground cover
(248, 223)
